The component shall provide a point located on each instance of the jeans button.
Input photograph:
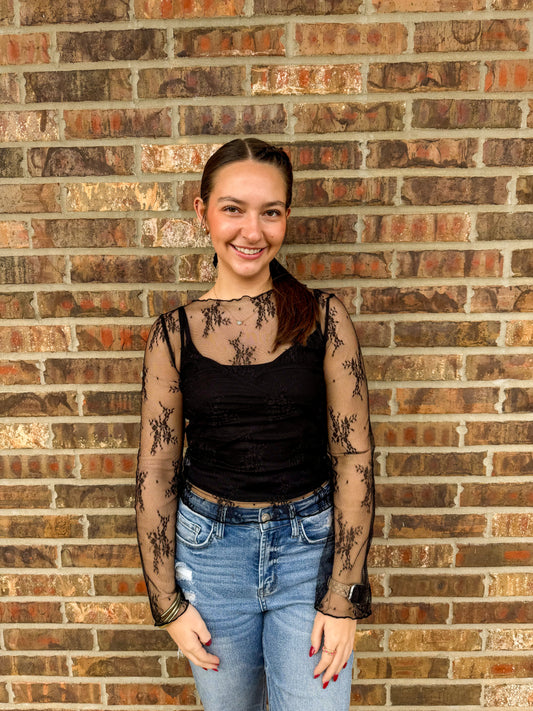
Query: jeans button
(265, 517)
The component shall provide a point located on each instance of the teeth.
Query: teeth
(246, 250)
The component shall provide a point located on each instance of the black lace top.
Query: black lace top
(260, 425)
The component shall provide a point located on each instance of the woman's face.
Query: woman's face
(246, 218)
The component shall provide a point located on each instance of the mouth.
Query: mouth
(248, 251)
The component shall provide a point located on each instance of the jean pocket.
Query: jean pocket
(318, 527)
(193, 529)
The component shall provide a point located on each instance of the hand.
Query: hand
(335, 634)
(191, 635)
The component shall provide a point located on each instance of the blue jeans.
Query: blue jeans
(251, 573)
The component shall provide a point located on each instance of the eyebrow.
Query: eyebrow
(242, 202)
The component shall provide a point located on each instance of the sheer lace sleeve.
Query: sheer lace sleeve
(158, 466)
(351, 451)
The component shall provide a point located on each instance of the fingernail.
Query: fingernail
(204, 668)
(345, 663)
(324, 685)
(316, 676)
(208, 643)
(335, 677)
(312, 651)
(215, 669)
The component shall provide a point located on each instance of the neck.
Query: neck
(235, 288)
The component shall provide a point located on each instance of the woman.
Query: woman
(260, 573)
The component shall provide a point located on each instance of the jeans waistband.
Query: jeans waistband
(317, 501)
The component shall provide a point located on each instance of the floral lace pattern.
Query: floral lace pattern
(233, 342)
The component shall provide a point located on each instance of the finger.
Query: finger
(316, 635)
(323, 664)
(202, 658)
(336, 666)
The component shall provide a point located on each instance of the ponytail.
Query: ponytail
(296, 307)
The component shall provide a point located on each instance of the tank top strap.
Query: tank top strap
(185, 334)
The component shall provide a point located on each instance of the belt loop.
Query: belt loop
(220, 521)
(295, 528)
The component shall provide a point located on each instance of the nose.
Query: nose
(251, 228)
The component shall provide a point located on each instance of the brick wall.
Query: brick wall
(410, 125)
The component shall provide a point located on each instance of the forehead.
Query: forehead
(249, 176)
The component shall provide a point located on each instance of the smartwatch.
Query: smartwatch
(356, 593)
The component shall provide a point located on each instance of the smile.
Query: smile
(247, 250)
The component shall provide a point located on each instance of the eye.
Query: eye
(273, 213)
(232, 209)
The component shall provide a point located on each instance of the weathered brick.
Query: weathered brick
(372, 695)
(138, 640)
(110, 527)
(495, 299)
(338, 265)
(117, 123)
(32, 404)
(28, 126)
(518, 400)
(257, 40)
(48, 639)
(46, 162)
(161, 301)
(416, 434)
(11, 163)
(415, 367)
(380, 402)
(512, 464)
(306, 79)
(18, 372)
(482, 613)
(466, 113)
(440, 464)
(522, 262)
(438, 640)
(7, 12)
(437, 525)
(117, 269)
(504, 226)
(84, 233)
(103, 466)
(144, 665)
(9, 89)
(411, 556)
(86, 496)
(177, 667)
(112, 338)
(34, 339)
(344, 191)
(335, 118)
(519, 432)
(32, 270)
(401, 667)
(93, 370)
(14, 235)
(88, 85)
(436, 585)
(191, 82)
(111, 403)
(509, 75)
(30, 612)
(37, 12)
(155, 9)
(25, 497)
(232, 120)
(36, 466)
(496, 366)
(177, 158)
(512, 524)
(511, 584)
(95, 434)
(29, 198)
(173, 232)
(412, 613)
(446, 333)
(108, 584)
(510, 640)
(443, 400)
(447, 227)
(516, 696)
(141, 44)
(33, 666)
(324, 155)
(494, 554)
(50, 584)
(450, 263)
(16, 305)
(33, 436)
(427, 5)
(24, 49)
(450, 299)
(168, 694)
(96, 556)
(455, 191)
(33, 556)
(83, 303)
(471, 35)
(451, 695)
(56, 692)
(417, 495)
(440, 153)
(108, 613)
(122, 197)
(348, 38)
(524, 190)
(495, 495)
(424, 76)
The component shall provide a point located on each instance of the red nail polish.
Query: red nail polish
(324, 685)
(345, 664)
(204, 668)
(316, 676)
(215, 669)
(336, 676)
(312, 651)
(208, 643)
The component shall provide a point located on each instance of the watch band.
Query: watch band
(340, 588)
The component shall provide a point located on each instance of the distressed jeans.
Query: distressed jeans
(251, 573)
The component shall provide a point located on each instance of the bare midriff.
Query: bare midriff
(247, 504)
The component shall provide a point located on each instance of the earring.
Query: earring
(215, 260)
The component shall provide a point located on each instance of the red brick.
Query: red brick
(88, 85)
(48, 639)
(112, 527)
(65, 161)
(520, 432)
(9, 87)
(306, 79)
(11, 163)
(338, 265)
(494, 554)
(167, 694)
(522, 262)
(451, 695)
(524, 190)
(471, 35)
(344, 191)
(138, 640)
(161, 301)
(509, 75)
(512, 5)
(97, 556)
(410, 613)
(104, 466)
(438, 525)
(232, 120)
(335, 118)
(112, 338)
(37, 12)
(511, 151)
(190, 82)
(416, 434)
(14, 235)
(435, 464)
(24, 49)
(94, 434)
(424, 299)
(437, 585)
(446, 333)
(411, 556)
(34, 339)
(495, 495)
(443, 640)
(32, 404)
(84, 303)
(31, 612)
(19, 372)
(424, 76)
(102, 613)
(89, 268)
(417, 495)
(85, 233)
(29, 198)
(324, 155)
(499, 613)
(176, 158)
(466, 113)
(444, 400)
(33, 666)
(56, 692)
(111, 403)
(415, 367)
(427, 5)
(518, 400)
(499, 299)
(512, 464)
(448, 227)
(32, 270)
(439, 153)
(155, 9)
(50, 584)
(111, 45)
(450, 263)
(492, 667)
(346, 38)
(496, 366)
(38, 466)
(256, 41)
(455, 191)
(117, 123)
(93, 370)
(101, 666)
(303, 7)
(89, 197)
(127, 585)
(16, 305)
(33, 556)
(372, 695)
(7, 12)
(504, 225)
(401, 667)
(85, 496)
(380, 402)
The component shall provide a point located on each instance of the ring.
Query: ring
(327, 651)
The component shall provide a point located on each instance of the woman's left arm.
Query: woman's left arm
(347, 596)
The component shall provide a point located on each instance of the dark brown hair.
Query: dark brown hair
(296, 306)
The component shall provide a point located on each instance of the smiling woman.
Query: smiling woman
(256, 541)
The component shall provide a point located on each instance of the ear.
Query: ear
(287, 212)
(199, 208)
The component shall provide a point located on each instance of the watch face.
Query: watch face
(358, 593)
